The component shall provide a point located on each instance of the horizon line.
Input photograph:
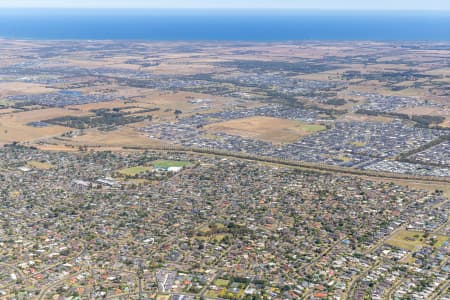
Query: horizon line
(231, 8)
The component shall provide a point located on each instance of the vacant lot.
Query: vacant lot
(39, 165)
(267, 129)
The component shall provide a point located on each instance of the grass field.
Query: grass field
(125, 136)
(133, 171)
(428, 111)
(412, 240)
(39, 165)
(219, 237)
(162, 297)
(4, 102)
(224, 294)
(170, 163)
(358, 144)
(267, 129)
(440, 240)
(212, 294)
(408, 240)
(221, 282)
(364, 118)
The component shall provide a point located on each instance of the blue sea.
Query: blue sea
(228, 25)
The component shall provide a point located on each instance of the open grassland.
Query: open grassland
(6, 111)
(56, 147)
(4, 102)
(429, 111)
(16, 132)
(408, 240)
(20, 88)
(166, 101)
(224, 294)
(267, 129)
(184, 69)
(13, 127)
(221, 282)
(446, 122)
(133, 171)
(439, 240)
(86, 108)
(39, 165)
(412, 240)
(111, 62)
(43, 114)
(375, 86)
(122, 137)
(364, 118)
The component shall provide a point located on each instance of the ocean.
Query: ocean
(203, 25)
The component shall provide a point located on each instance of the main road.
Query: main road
(297, 164)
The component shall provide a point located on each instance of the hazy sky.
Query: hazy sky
(253, 4)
